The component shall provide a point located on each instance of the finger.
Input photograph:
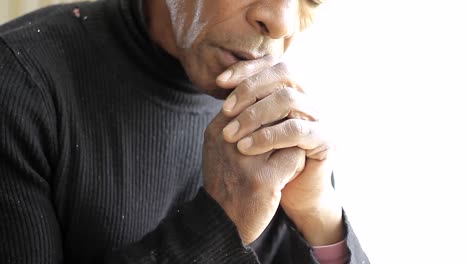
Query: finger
(290, 133)
(258, 87)
(242, 70)
(287, 161)
(220, 120)
(322, 155)
(286, 102)
(323, 151)
(216, 125)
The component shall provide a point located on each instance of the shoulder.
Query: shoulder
(27, 120)
(50, 45)
(13, 76)
(59, 17)
(51, 37)
(51, 21)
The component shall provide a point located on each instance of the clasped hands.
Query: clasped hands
(267, 148)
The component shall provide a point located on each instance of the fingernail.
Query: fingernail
(225, 76)
(230, 103)
(232, 128)
(245, 143)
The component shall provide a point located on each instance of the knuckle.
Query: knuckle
(286, 95)
(282, 68)
(250, 113)
(266, 136)
(285, 75)
(246, 87)
(269, 59)
(297, 128)
(274, 74)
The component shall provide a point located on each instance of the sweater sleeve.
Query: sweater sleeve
(347, 251)
(295, 249)
(337, 253)
(29, 230)
(197, 232)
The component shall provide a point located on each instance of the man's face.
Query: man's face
(211, 35)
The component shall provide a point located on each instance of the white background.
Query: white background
(392, 80)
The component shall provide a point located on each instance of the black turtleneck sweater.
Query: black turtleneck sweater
(100, 150)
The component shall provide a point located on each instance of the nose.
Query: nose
(274, 18)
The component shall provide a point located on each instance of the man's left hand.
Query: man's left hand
(271, 111)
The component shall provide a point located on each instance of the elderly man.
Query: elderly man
(116, 148)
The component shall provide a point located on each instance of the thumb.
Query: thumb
(242, 70)
(220, 120)
(288, 162)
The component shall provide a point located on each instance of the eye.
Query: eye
(314, 3)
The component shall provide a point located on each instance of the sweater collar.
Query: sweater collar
(154, 56)
(176, 90)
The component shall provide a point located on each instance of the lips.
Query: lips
(241, 55)
(229, 57)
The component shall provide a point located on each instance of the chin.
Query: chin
(205, 82)
(203, 68)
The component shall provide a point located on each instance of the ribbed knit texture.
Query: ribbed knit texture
(101, 138)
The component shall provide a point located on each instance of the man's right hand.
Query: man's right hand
(248, 188)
